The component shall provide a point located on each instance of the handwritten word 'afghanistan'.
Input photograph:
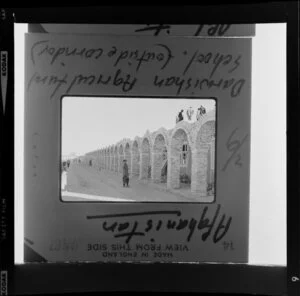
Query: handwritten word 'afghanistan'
(215, 225)
(160, 53)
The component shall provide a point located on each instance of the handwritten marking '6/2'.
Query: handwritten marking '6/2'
(234, 147)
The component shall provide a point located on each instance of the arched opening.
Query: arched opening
(106, 159)
(128, 156)
(211, 169)
(111, 153)
(203, 171)
(180, 161)
(103, 159)
(185, 164)
(159, 160)
(116, 157)
(98, 159)
(145, 163)
(121, 157)
(135, 159)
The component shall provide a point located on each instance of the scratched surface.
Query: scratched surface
(211, 30)
(68, 64)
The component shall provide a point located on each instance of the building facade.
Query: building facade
(180, 157)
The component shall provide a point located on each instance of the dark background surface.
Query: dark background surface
(202, 278)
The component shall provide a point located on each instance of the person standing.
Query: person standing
(125, 174)
(198, 116)
(201, 111)
(189, 113)
(180, 116)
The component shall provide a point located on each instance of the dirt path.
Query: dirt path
(88, 180)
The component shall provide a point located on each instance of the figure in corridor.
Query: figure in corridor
(125, 174)
(189, 113)
(201, 111)
(180, 116)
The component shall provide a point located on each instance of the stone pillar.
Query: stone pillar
(144, 165)
(97, 159)
(135, 165)
(111, 163)
(208, 171)
(156, 166)
(128, 158)
(121, 157)
(116, 163)
(173, 180)
(212, 161)
(131, 165)
(199, 170)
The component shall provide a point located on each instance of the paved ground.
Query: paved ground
(86, 183)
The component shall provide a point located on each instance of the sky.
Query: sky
(91, 123)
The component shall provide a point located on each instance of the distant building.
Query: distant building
(70, 156)
(182, 157)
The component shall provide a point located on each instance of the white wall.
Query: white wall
(268, 146)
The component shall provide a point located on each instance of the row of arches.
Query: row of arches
(183, 157)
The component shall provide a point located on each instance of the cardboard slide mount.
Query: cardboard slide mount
(59, 231)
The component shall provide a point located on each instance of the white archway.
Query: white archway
(203, 160)
(116, 159)
(121, 157)
(111, 157)
(179, 160)
(159, 158)
(135, 163)
(127, 154)
(145, 162)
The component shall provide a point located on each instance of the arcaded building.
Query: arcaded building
(182, 157)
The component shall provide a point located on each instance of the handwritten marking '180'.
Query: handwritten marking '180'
(234, 146)
(211, 30)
